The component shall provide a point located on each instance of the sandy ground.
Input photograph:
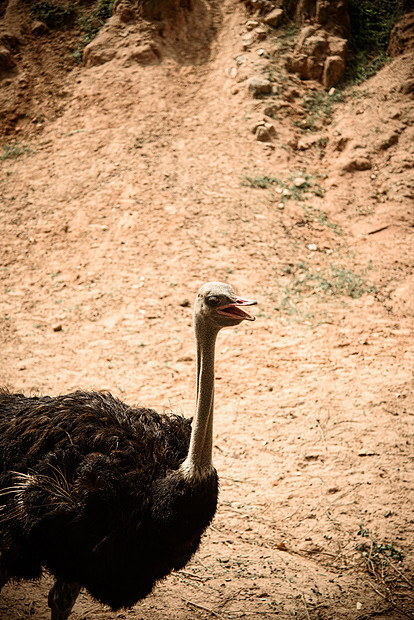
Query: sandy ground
(148, 183)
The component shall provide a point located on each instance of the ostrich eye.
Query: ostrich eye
(213, 300)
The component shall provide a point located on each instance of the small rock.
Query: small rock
(252, 23)
(337, 46)
(293, 143)
(247, 40)
(9, 39)
(307, 31)
(257, 124)
(340, 143)
(272, 109)
(185, 303)
(297, 63)
(312, 456)
(395, 112)
(145, 54)
(388, 140)
(39, 28)
(58, 327)
(185, 358)
(290, 94)
(126, 14)
(263, 134)
(333, 69)
(407, 87)
(241, 60)
(257, 4)
(274, 18)
(259, 86)
(308, 142)
(260, 33)
(356, 163)
(95, 54)
(300, 182)
(6, 59)
(333, 490)
(316, 45)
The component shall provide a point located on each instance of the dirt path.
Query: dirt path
(152, 183)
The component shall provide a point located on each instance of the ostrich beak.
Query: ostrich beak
(235, 310)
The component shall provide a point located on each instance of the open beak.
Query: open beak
(236, 309)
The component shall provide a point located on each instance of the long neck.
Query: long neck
(199, 460)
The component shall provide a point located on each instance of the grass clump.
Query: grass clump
(337, 281)
(319, 107)
(53, 14)
(15, 150)
(300, 297)
(261, 181)
(343, 281)
(300, 187)
(286, 37)
(292, 188)
(314, 214)
(385, 563)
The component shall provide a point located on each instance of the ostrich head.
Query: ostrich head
(218, 306)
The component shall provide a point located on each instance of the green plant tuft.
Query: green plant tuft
(306, 287)
(15, 150)
(287, 189)
(91, 24)
(52, 14)
(371, 25)
(319, 107)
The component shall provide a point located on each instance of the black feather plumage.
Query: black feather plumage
(92, 492)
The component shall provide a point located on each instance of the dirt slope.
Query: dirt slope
(151, 182)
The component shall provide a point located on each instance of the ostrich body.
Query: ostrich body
(105, 496)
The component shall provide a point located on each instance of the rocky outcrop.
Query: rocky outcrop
(320, 53)
(331, 15)
(318, 56)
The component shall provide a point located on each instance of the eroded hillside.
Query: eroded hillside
(155, 166)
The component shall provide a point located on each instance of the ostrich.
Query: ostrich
(105, 496)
